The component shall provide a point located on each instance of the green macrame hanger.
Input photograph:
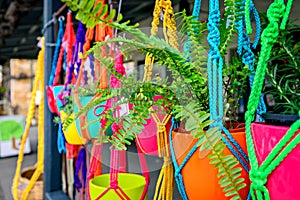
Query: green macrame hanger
(258, 174)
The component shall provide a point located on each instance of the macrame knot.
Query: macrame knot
(214, 34)
(248, 56)
(113, 184)
(275, 12)
(161, 128)
(178, 172)
(259, 179)
(115, 128)
(214, 17)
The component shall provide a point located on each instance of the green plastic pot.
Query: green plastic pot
(132, 184)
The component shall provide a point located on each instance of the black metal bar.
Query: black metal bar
(52, 169)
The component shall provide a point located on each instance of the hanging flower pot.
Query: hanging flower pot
(281, 182)
(54, 103)
(91, 131)
(93, 126)
(71, 132)
(200, 178)
(132, 185)
(158, 123)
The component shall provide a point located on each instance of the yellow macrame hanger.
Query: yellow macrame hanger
(38, 83)
(165, 184)
(162, 8)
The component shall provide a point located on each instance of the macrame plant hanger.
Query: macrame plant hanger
(117, 160)
(100, 32)
(80, 175)
(276, 13)
(56, 70)
(214, 67)
(165, 184)
(215, 82)
(99, 74)
(70, 45)
(53, 83)
(38, 83)
(244, 50)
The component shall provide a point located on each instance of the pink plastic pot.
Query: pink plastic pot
(148, 139)
(283, 181)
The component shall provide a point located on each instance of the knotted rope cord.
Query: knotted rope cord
(61, 141)
(114, 163)
(67, 48)
(101, 32)
(258, 174)
(38, 82)
(178, 169)
(248, 19)
(245, 51)
(169, 28)
(214, 67)
(95, 167)
(55, 74)
(195, 14)
(60, 36)
(162, 8)
(80, 40)
(165, 181)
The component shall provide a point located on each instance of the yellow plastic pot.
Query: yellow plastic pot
(71, 134)
(132, 185)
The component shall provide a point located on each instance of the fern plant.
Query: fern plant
(189, 83)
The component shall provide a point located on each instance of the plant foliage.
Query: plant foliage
(189, 83)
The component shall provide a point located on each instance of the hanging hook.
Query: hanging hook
(61, 18)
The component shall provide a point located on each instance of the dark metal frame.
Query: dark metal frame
(53, 161)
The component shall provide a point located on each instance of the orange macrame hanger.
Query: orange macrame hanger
(99, 33)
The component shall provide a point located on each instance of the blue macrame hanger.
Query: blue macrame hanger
(60, 137)
(215, 63)
(60, 36)
(244, 49)
(214, 68)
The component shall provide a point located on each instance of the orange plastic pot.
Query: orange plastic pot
(199, 177)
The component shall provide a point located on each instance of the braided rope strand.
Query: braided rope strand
(258, 174)
(30, 114)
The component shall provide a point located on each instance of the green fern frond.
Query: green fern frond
(233, 13)
(228, 173)
(91, 15)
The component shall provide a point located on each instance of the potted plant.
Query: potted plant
(282, 84)
(272, 147)
(190, 85)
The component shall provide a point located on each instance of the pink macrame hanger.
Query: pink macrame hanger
(115, 156)
(145, 171)
(118, 158)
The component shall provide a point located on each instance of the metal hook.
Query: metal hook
(61, 18)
